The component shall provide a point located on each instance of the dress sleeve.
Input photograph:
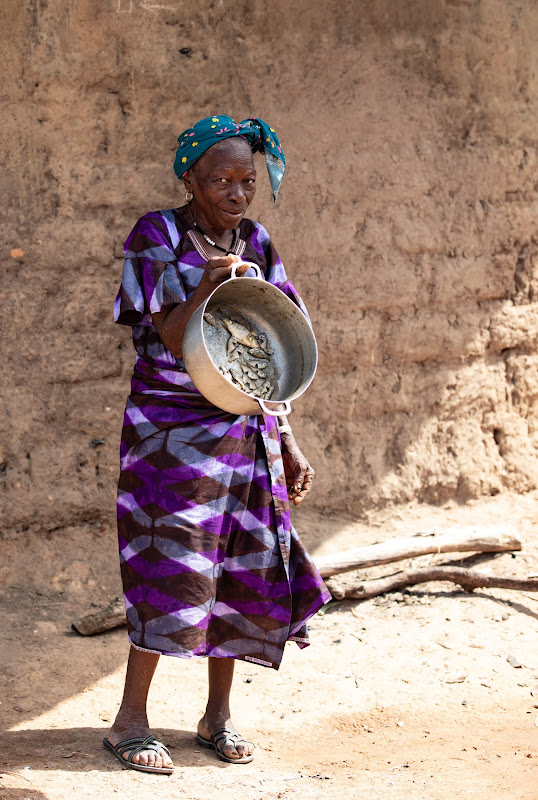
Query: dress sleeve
(274, 269)
(151, 280)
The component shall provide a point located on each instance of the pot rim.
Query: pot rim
(293, 307)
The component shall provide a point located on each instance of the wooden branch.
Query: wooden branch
(113, 616)
(410, 547)
(342, 589)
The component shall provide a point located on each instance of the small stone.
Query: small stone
(458, 679)
(400, 723)
(513, 662)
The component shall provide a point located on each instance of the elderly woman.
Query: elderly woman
(210, 563)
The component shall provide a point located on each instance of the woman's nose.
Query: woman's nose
(236, 193)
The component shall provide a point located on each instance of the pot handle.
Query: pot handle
(284, 412)
(236, 264)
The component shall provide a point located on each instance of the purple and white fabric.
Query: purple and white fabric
(210, 563)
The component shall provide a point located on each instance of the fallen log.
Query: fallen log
(467, 540)
(113, 616)
(373, 555)
(468, 579)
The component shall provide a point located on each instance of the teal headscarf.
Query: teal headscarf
(196, 140)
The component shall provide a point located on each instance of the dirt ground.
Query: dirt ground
(428, 694)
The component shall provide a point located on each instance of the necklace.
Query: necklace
(210, 241)
(239, 248)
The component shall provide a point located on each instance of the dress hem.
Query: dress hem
(300, 641)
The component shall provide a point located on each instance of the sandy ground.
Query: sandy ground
(425, 695)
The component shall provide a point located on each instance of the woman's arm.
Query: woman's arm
(171, 324)
(299, 473)
(171, 327)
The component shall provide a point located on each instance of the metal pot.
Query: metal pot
(288, 331)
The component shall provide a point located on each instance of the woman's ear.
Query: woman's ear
(186, 178)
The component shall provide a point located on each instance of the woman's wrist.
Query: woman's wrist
(284, 427)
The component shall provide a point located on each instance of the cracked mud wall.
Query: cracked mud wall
(407, 218)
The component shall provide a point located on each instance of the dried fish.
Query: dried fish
(210, 319)
(231, 345)
(241, 333)
(257, 353)
(247, 361)
(236, 353)
(236, 372)
(262, 338)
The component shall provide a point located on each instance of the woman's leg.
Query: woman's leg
(217, 714)
(132, 719)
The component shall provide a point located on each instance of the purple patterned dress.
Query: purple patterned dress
(210, 563)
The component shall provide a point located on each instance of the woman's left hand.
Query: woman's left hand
(299, 474)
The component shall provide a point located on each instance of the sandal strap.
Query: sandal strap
(138, 745)
(224, 736)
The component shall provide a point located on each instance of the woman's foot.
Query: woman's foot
(128, 728)
(132, 721)
(231, 750)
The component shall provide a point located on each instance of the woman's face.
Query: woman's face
(223, 182)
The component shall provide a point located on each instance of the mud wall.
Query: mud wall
(407, 218)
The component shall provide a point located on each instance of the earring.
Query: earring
(188, 196)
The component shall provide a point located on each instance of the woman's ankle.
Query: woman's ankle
(129, 717)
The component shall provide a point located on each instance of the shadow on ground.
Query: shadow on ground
(80, 749)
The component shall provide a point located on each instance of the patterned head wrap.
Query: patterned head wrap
(196, 140)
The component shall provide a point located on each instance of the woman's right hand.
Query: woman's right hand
(171, 324)
(219, 269)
